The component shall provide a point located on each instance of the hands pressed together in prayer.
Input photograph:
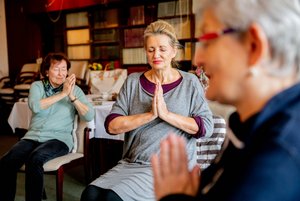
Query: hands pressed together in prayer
(159, 107)
(170, 169)
(69, 85)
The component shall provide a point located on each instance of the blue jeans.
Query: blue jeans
(34, 154)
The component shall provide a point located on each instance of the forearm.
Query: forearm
(124, 124)
(187, 124)
(47, 102)
(80, 107)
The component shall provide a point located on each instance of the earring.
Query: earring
(253, 72)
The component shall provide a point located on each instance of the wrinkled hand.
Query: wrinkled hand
(69, 85)
(162, 109)
(170, 169)
(154, 106)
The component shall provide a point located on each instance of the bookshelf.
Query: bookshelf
(179, 15)
(113, 31)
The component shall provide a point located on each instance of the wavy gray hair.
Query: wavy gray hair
(280, 20)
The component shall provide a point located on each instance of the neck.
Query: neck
(163, 76)
(261, 93)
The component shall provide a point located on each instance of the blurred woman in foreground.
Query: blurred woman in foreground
(250, 52)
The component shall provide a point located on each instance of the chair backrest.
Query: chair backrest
(79, 68)
(28, 73)
(208, 148)
(33, 67)
(78, 135)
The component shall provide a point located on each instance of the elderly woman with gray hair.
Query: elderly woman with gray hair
(250, 52)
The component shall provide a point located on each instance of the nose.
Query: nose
(59, 71)
(199, 56)
(156, 54)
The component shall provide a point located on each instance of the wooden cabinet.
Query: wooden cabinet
(78, 36)
(114, 31)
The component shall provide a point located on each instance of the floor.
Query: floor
(73, 178)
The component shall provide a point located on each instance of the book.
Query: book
(106, 18)
(182, 26)
(173, 8)
(77, 19)
(78, 36)
(134, 56)
(134, 37)
(136, 16)
(106, 35)
(107, 52)
(79, 52)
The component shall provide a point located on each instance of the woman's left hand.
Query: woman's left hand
(170, 169)
(71, 80)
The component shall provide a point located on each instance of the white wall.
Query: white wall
(3, 42)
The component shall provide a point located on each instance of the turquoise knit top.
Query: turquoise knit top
(55, 122)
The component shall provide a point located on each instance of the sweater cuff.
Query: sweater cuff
(201, 131)
(108, 119)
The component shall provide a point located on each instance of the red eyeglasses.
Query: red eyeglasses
(214, 35)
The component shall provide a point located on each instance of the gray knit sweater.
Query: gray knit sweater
(132, 178)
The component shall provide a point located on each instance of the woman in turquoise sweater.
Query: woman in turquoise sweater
(54, 101)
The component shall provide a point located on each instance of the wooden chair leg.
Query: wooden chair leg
(59, 183)
(44, 194)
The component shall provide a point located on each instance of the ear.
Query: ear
(257, 44)
(174, 52)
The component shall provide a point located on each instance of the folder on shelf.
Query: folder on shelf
(134, 37)
(182, 27)
(173, 8)
(134, 56)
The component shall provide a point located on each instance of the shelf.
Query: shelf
(114, 31)
(98, 43)
(175, 16)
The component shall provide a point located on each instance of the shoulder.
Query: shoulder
(133, 78)
(37, 84)
(188, 77)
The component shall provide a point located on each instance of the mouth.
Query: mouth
(207, 75)
(156, 62)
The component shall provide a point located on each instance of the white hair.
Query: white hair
(280, 20)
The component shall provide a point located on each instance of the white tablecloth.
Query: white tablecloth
(20, 117)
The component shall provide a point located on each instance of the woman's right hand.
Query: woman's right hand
(170, 169)
(154, 105)
(68, 84)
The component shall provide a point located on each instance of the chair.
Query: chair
(11, 91)
(29, 73)
(7, 91)
(79, 155)
(79, 68)
(208, 148)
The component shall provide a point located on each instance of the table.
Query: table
(20, 117)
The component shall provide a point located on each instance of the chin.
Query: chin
(210, 94)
